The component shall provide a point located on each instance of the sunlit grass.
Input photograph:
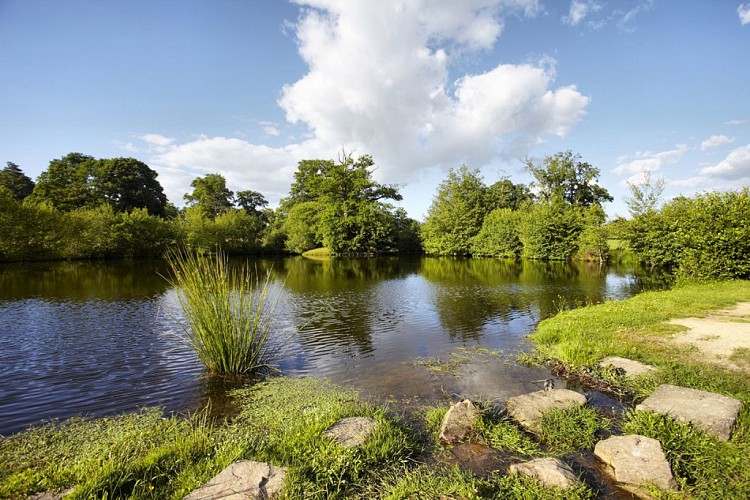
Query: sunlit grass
(229, 314)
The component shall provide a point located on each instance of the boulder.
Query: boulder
(458, 422)
(352, 431)
(636, 461)
(526, 409)
(552, 472)
(241, 481)
(714, 413)
(628, 367)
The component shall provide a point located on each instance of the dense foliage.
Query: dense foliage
(705, 237)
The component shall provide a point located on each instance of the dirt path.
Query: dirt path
(720, 335)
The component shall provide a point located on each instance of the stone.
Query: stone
(636, 461)
(458, 422)
(527, 409)
(628, 367)
(241, 481)
(352, 431)
(714, 413)
(552, 472)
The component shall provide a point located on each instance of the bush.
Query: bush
(499, 235)
(550, 231)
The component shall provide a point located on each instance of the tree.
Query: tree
(645, 196)
(563, 176)
(252, 202)
(550, 231)
(127, 184)
(66, 183)
(351, 216)
(456, 213)
(499, 235)
(13, 178)
(211, 195)
(505, 194)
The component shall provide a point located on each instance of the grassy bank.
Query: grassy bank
(638, 328)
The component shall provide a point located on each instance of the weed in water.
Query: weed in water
(230, 319)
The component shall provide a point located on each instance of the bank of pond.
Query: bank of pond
(284, 421)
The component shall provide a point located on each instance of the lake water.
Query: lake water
(96, 338)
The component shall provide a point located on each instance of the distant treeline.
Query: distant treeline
(82, 207)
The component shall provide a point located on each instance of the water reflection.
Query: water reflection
(99, 337)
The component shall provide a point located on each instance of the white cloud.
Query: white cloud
(627, 19)
(157, 139)
(715, 141)
(579, 9)
(735, 166)
(648, 161)
(736, 122)
(744, 12)
(378, 82)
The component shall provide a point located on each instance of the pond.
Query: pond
(97, 338)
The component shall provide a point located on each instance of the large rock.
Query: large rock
(552, 472)
(714, 413)
(458, 422)
(352, 431)
(528, 408)
(636, 461)
(241, 481)
(628, 367)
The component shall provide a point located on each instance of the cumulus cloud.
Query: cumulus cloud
(646, 161)
(735, 166)
(715, 141)
(379, 82)
(744, 12)
(579, 9)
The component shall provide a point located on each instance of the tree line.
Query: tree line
(83, 207)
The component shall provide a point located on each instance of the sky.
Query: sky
(248, 88)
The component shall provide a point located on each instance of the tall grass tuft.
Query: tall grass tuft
(230, 319)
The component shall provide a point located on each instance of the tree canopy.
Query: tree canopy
(341, 207)
(211, 195)
(564, 176)
(127, 184)
(18, 183)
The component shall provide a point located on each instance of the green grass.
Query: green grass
(572, 429)
(321, 252)
(636, 329)
(230, 317)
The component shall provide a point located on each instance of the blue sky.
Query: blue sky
(249, 88)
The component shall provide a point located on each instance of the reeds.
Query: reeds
(229, 317)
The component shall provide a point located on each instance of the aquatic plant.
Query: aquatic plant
(229, 317)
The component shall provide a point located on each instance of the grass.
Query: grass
(318, 253)
(230, 317)
(635, 328)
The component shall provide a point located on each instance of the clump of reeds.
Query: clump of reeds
(228, 312)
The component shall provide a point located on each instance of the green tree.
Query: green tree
(592, 242)
(66, 183)
(505, 194)
(351, 215)
(211, 195)
(252, 202)
(499, 235)
(300, 227)
(126, 184)
(13, 178)
(550, 231)
(563, 176)
(644, 196)
(456, 213)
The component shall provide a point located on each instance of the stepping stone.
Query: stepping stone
(714, 413)
(527, 409)
(552, 472)
(636, 461)
(243, 480)
(458, 422)
(352, 431)
(628, 367)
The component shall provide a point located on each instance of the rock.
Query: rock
(636, 461)
(552, 472)
(714, 413)
(243, 480)
(526, 409)
(628, 367)
(458, 422)
(352, 431)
